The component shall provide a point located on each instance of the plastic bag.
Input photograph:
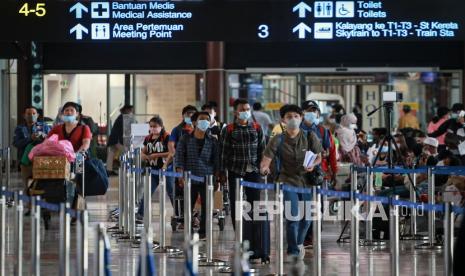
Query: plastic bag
(53, 147)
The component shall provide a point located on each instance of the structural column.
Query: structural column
(215, 76)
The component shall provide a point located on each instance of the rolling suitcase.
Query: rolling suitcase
(258, 235)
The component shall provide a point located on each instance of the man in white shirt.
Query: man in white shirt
(263, 119)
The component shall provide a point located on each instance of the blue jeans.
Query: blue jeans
(155, 182)
(296, 230)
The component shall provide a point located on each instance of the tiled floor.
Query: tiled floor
(124, 258)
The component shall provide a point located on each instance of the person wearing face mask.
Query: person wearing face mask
(312, 123)
(185, 127)
(241, 146)
(115, 141)
(26, 136)
(215, 126)
(263, 119)
(348, 148)
(441, 117)
(288, 150)
(154, 153)
(79, 135)
(197, 152)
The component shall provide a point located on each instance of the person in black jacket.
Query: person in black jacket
(115, 141)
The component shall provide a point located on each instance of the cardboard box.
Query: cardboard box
(50, 167)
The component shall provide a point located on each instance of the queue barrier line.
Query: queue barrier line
(43, 204)
(365, 197)
(289, 188)
(258, 186)
(197, 179)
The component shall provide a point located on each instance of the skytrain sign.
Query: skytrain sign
(228, 20)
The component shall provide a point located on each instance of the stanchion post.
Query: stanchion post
(147, 204)
(448, 238)
(8, 168)
(138, 178)
(2, 159)
(280, 229)
(369, 221)
(354, 224)
(394, 237)
(317, 232)
(82, 246)
(431, 214)
(35, 238)
(209, 218)
(239, 210)
(121, 178)
(162, 193)
(2, 229)
(100, 252)
(19, 234)
(413, 216)
(127, 188)
(64, 239)
(187, 206)
(132, 204)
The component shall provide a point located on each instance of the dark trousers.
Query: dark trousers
(196, 190)
(250, 194)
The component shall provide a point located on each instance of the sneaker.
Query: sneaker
(139, 217)
(291, 259)
(308, 243)
(301, 252)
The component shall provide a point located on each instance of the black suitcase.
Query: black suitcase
(258, 235)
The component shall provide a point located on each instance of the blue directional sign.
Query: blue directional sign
(232, 20)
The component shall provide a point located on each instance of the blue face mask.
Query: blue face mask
(454, 115)
(69, 118)
(203, 125)
(384, 149)
(188, 120)
(311, 117)
(245, 115)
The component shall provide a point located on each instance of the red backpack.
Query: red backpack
(230, 127)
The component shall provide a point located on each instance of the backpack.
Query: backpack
(232, 126)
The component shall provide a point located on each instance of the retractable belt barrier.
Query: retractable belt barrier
(66, 213)
(446, 208)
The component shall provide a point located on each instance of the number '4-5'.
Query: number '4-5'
(39, 9)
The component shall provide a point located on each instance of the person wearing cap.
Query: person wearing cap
(408, 120)
(312, 123)
(78, 134)
(115, 141)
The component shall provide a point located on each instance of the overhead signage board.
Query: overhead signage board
(232, 20)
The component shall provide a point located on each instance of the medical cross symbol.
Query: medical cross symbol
(100, 10)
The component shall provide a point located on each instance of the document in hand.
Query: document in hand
(310, 158)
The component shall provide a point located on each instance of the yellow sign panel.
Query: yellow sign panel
(273, 106)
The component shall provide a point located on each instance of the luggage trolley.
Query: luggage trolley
(54, 180)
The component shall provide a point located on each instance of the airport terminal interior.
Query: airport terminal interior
(106, 167)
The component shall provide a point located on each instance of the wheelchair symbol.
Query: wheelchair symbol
(345, 9)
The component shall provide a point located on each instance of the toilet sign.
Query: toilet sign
(232, 20)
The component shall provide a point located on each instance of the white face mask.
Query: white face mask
(293, 123)
(353, 126)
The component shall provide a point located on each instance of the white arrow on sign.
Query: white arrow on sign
(302, 8)
(79, 29)
(79, 8)
(302, 28)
